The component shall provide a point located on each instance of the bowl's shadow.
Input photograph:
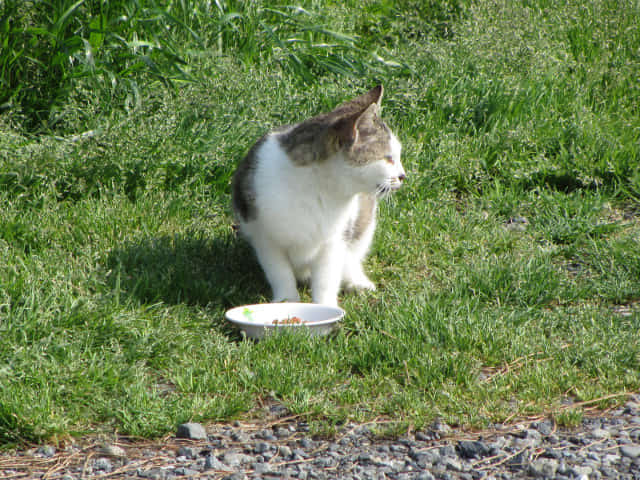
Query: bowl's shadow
(214, 272)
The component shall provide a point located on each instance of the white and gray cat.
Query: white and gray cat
(305, 197)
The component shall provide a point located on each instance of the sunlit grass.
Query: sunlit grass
(508, 267)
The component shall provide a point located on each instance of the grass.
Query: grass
(118, 257)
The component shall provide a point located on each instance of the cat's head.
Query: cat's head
(368, 145)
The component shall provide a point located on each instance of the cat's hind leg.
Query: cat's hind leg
(277, 269)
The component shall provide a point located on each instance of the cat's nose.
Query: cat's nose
(401, 177)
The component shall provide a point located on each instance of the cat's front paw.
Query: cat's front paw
(361, 284)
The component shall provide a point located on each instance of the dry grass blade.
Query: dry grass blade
(491, 372)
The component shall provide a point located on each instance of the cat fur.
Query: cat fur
(305, 197)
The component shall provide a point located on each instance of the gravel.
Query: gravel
(602, 447)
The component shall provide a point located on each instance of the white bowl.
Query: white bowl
(256, 321)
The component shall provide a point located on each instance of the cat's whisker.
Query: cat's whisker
(383, 190)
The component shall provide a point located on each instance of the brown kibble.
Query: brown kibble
(289, 321)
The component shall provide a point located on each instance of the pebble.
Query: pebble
(187, 452)
(185, 472)
(234, 459)
(600, 433)
(193, 431)
(212, 463)
(600, 448)
(47, 451)
(103, 464)
(473, 449)
(153, 474)
(112, 451)
(630, 451)
(285, 451)
(544, 468)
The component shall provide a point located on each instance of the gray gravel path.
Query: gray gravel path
(602, 447)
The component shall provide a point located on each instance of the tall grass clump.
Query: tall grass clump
(50, 49)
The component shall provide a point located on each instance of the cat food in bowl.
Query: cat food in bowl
(288, 321)
(256, 321)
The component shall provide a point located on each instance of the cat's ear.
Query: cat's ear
(363, 101)
(366, 118)
(376, 94)
(356, 113)
(346, 128)
(372, 96)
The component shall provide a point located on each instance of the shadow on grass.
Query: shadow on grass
(219, 271)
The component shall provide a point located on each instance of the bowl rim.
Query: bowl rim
(339, 314)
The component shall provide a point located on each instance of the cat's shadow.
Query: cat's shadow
(219, 271)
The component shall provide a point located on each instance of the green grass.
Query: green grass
(118, 258)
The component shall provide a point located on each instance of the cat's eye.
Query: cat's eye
(389, 159)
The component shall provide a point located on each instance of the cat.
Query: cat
(305, 197)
